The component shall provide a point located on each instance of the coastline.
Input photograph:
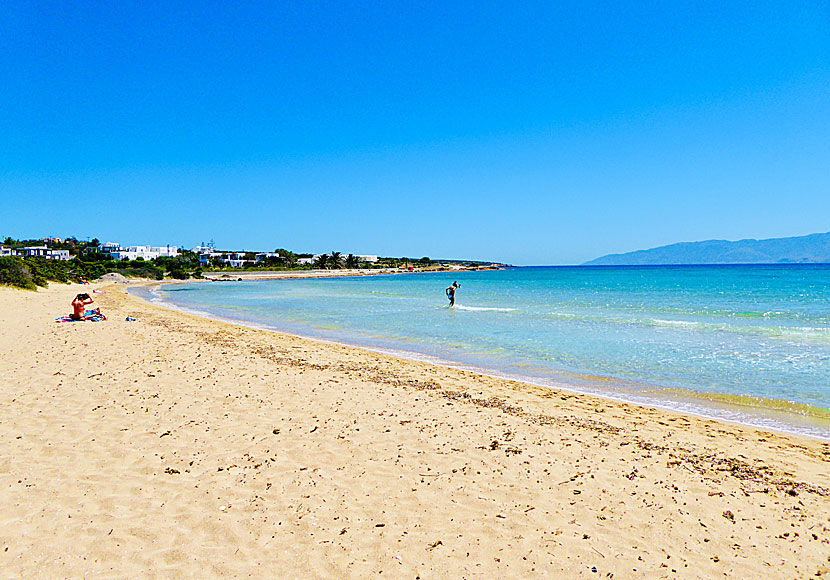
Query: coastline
(177, 444)
(778, 415)
(244, 275)
(282, 274)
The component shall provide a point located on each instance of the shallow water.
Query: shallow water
(746, 343)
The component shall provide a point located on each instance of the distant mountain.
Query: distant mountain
(811, 249)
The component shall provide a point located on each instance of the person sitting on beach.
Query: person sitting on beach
(79, 306)
(451, 292)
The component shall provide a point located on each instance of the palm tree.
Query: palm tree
(335, 260)
(322, 261)
(352, 261)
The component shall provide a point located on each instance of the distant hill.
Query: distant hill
(811, 249)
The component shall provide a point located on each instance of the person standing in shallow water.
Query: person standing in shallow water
(451, 292)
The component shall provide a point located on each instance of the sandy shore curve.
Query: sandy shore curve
(174, 446)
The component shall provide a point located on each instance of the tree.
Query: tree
(321, 261)
(289, 259)
(273, 261)
(336, 260)
(352, 261)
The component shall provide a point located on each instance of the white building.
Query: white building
(236, 259)
(109, 247)
(116, 252)
(4, 251)
(44, 252)
(207, 257)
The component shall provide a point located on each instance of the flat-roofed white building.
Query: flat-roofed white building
(33, 251)
(45, 252)
(4, 251)
(237, 259)
(208, 256)
(169, 251)
(117, 252)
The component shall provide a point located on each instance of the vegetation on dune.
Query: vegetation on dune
(30, 273)
(88, 263)
(15, 272)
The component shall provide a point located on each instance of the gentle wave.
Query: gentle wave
(484, 308)
(815, 333)
(794, 316)
(686, 323)
(756, 403)
(821, 334)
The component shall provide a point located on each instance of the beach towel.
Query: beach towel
(90, 315)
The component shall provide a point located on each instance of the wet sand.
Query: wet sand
(180, 447)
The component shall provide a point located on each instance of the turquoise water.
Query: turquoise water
(747, 343)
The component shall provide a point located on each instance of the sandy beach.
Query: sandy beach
(174, 446)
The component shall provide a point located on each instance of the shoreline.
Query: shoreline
(283, 274)
(180, 446)
(244, 275)
(691, 403)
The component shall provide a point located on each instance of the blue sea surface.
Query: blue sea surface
(745, 343)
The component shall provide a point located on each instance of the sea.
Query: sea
(749, 344)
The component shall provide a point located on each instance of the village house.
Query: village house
(44, 252)
(117, 252)
(236, 259)
(206, 257)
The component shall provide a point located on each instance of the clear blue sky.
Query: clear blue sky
(533, 133)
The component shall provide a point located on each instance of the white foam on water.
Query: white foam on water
(483, 308)
(680, 323)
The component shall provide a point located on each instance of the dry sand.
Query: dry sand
(180, 447)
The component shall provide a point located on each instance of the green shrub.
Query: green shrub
(44, 270)
(14, 272)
